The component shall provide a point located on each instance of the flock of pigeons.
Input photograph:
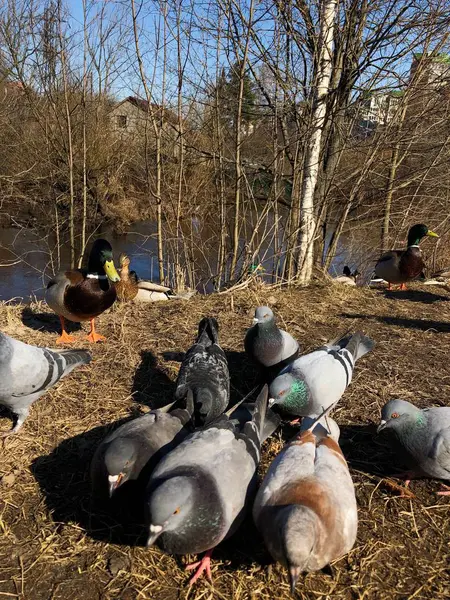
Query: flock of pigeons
(197, 460)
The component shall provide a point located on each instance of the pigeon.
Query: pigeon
(314, 381)
(267, 345)
(306, 508)
(136, 447)
(199, 493)
(204, 370)
(423, 437)
(27, 372)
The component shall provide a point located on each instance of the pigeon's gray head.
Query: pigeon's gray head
(169, 505)
(287, 391)
(120, 458)
(263, 314)
(297, 531)
(395, 414)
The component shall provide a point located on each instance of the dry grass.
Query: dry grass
(55, 545)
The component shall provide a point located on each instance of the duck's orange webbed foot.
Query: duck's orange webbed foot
(65, 338)
(93, 336)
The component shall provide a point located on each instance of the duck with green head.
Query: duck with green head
(83, 294)
(400, 266)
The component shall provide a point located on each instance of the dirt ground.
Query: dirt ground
(55, 544)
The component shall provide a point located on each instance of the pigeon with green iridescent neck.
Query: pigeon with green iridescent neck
(423, 436)
(314, 381)
(269, 346)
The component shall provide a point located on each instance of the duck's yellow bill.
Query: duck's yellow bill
(432, 234)
(110, 271)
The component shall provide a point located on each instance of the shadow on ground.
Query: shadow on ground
(414, 296)
(63, 476)
(423, 324)
(48, 322)
(151, 386)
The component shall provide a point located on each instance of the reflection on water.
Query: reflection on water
(36, 257)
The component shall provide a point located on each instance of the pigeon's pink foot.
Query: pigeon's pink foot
(445, 491)
(403, 286)
(201, 565)
(294, 422)
(389, 286)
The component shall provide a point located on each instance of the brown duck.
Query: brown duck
(83, 294)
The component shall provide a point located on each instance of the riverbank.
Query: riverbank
(54, 544)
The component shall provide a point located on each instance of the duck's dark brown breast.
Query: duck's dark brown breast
(411, 263)
(89, 298)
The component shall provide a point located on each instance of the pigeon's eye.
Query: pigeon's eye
(266, 316)
(282, 393)
(176, 511)
(395, 415)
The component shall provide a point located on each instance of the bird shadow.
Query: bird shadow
(64, 479)
(48, 322)
(369, 452)
(414, 296)
(151, 386)
(244, 376)
(423, 324)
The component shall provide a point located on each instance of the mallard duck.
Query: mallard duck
(348, 278)
(130, 286)
(83, 294)
(400, 266)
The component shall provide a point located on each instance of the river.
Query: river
(28, 259)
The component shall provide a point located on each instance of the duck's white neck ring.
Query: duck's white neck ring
(414, 246)
(96, 276)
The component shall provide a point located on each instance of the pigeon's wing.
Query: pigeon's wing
(34, 370)
(217, 452)
(294, 462)
(327, 374)
(439, 450)
(290, 346)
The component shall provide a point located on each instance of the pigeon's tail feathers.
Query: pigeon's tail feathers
(259, 414)
(166, 408)
(208, 331)
(230, 411)
(359, 345)
(73, 358)
(271, 424)
(184, 412)
(340, 341)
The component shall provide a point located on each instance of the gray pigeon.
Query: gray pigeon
(316, 380)
(423, 437)
(136, 446)
(268, 345)
(27, 372)
(305, 508)
(204, 370)
(198, 494)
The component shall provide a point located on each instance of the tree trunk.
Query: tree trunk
(311, 167)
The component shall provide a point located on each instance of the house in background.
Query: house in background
(375, 109)
(434, 70)
(130, 115)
